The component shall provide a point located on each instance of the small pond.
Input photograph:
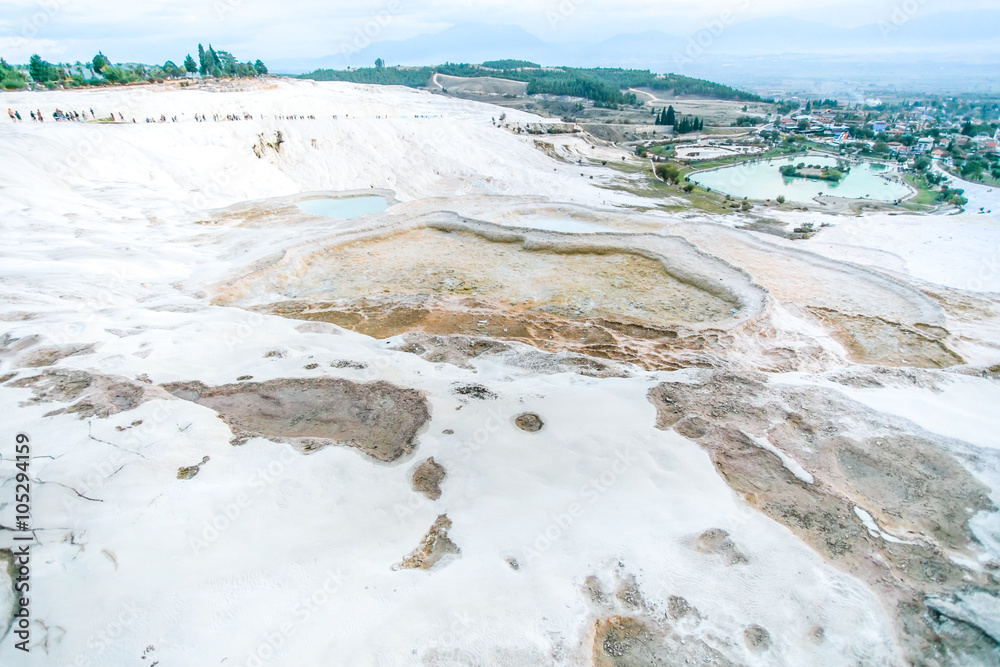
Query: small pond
(344, 208)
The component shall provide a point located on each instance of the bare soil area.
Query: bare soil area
(380, 419)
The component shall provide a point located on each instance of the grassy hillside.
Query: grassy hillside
(603, 86)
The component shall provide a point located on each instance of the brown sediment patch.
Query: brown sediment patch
(632, 298)
(456, 350)
(571, 281)
(621, 641)
(47, 356)
(678, 608)
(476, 391)
(766, 226)
(629, 595)
(427, 478)
(187, 472)
(380, 419)
(717, 542)
(90, 394)
(652, 348)
(907, 480)
(630, 641)
(874, 340)
(630, 631)
(960, 304)
(877, 318)
(757, 638)
(529, 422)
(459, 350)
(11, 345)
(435, 546)
(873, 377)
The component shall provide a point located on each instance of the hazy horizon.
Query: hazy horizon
(158, 31)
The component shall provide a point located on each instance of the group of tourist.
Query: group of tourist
(59, 115)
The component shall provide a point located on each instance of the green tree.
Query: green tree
(99, 62)
(190, 65)
(922, 163)
(215, 61)
(260, 68)
(671, 118)
(973, 169)
(115, 75)
(668, 172)
(41, 71)
(204, 62)
(226, 63)
(379, 63)
(9, 77)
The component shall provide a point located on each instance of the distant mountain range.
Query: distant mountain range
(969, 36)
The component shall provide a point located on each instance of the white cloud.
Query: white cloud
(155, 30)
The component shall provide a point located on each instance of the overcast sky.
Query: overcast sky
(156, 30)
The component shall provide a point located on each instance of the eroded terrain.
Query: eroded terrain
(536, 412)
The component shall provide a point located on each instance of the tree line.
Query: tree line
(210, 63)
(679, 84)
(10, 77)
(511, 64)
(413, 77)
(603, 86)
(599, 92)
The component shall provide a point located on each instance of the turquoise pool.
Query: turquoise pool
(762, 180)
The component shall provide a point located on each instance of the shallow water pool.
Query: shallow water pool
(566, 225)
(763, 180)
(344, 208)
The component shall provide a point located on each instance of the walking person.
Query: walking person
(17, 114)
(11, 114)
